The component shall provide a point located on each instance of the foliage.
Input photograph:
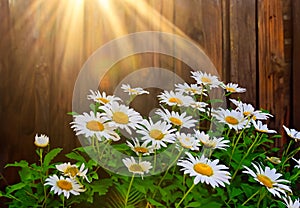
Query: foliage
(237, 144)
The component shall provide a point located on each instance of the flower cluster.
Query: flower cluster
(189, 153)
(178, 121)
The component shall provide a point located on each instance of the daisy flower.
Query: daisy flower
(177, 119)
(72, 170)
(187, 141)
(94, 125)
(133, 91)
(206, 79)
(233, 88)
(249, 111)
(262, 127)
(298, 162)
(96, 96)
(290, 204)
(41, 141)
(137, 168)
(121, 116)
(205, 170)
(192, 89)
(199, 106)
(175, 98)
(158, 134)
(211, 143)
(234, 119)
(140, 149)
(292, 133)
(270, 179)
(64, 186)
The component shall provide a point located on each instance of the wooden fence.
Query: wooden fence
(44, 44)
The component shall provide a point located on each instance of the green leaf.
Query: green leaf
(21, 164)
(194, 204)
(51, 155)
(76, 156)
(101, 186)
(72, 113)
(156, 203)
(15, 187)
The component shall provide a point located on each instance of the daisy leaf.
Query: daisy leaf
(51, 155)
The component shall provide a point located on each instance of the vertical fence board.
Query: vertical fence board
(274, 92)
(296, 64)
(242, 29)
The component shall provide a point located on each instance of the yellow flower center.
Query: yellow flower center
(265, 180)
(206, 80)
(103, 100)
(72, 171)
(64, 184)
(231, 120)
(156, 134)
(120, 117)
(176, 121)
(95, 126)
(246, 113)
(136, 168)
(230, 89)
(175, 100)
(141, 149)
(203, 169)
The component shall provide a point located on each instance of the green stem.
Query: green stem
(63, 201)
(250, 197)
(262, 195)
(185, 195)
(128, 191)
(247, 153)
(161, 180)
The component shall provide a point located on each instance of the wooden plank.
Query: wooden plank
(242, 29)
(296, 64)
(274, 75)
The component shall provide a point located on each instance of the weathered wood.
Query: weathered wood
(296, 64)
(242, 29)
(274, 75)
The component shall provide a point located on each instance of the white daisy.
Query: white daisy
(137, 168)
(249, 111)
(211, 143)
(41, 141)
(140, 149)
(298, 163)
(205, 170)
(206, 79)
(187, 141)
(72, 170)
(133, 91)
(233, 88)
(199, 106)
(64, 186)
(158, 134)
(175, 98)
(290, 204)
(292, 133)
(94, 125)
(262, 127)
(96, 96)
(177, 119)
(192, 89)
(270, 179)
(121, 116)
(234, 119)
